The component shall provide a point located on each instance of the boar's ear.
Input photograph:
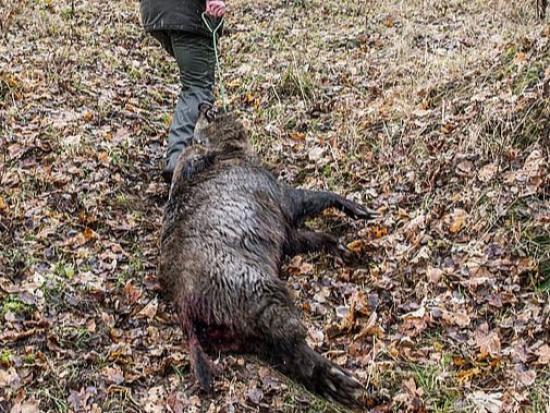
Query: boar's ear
(214, 113)
(204, 107)
(210, 112)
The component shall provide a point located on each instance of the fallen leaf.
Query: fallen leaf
(316, 153)
(434, 275)
(132, 293)
(153, 400)
(29, 406)
(527, 377)
(486, 402)
(457, 220)
(78, 400)
(113, 374)
(297, 136)
(255, 395)
(456, 318)
(8, 377)
(487, 173)
(544, 354)
(488, 341)
(465, 376)
(150, 310)
(175, 403)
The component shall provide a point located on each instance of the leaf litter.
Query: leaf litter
(436, 116)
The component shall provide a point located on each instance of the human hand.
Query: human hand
(215, 8)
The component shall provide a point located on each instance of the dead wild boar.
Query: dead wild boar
(226, 228)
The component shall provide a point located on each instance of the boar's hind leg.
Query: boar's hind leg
(306, 204)
(202, 367)
(303, 241)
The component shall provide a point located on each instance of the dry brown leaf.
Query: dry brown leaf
(544, 355)
(447, 128)
(520, 57)
(456, 318)
(255, 395)
(315, 337)
(175, 403)
(434, 275)
(113, 374)
(487, 173)
(150, 310)
(465, 167)
(415, 226)
(132, 293)
(153, 400)
(466, 376)
(298, 266)
(527, 377)
(460, 361)
(457, 220)
(488, 341)
(89, 234)
(298, 136)
(7, 377)
(377, 231)
(88, 116)
(316, 153)
(356, 246)
(26, 407)
(486, 402)
(91, 325)
(17, 335)
(410, 387)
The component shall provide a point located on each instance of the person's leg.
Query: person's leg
(164, 39)
(196, 61)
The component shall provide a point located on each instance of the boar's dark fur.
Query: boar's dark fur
(227, 226)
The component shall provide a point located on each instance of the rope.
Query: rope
(214, 33)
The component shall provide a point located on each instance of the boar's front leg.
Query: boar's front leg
(304, 241)
(304, 204)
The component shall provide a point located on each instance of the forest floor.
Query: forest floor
(436, 114)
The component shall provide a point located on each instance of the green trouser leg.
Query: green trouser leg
(196, 61)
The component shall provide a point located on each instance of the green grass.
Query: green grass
(535, 242)
(64, 270)
(29, 359)
(299, 399)
(13, 305)
(134, 267)
(5, 357)
(540, 394)
(441, 391)
(54, 400)
(545, 273)
(298, 82)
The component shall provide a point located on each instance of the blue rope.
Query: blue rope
(214, 34)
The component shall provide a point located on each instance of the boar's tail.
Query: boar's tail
(319, 375)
